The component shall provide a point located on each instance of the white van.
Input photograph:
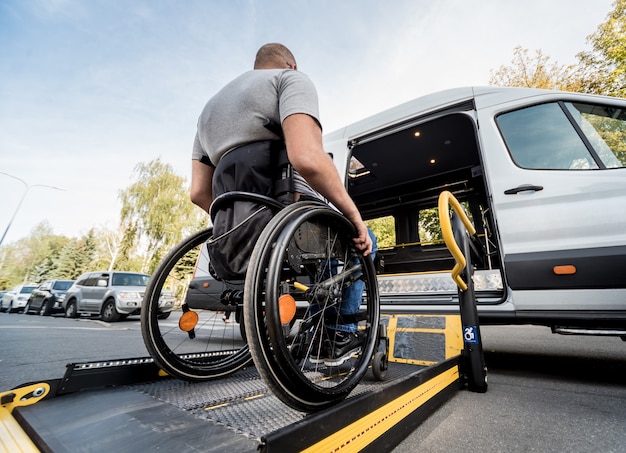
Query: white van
(541, 173)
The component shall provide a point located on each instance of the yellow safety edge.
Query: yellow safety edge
(364, 431)
(12, 437)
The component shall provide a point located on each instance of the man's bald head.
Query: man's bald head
(274, 56)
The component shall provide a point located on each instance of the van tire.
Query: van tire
(109, 313)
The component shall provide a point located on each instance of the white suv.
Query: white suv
(16, 299)
(111, 294)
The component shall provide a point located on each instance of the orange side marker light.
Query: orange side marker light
(567, 269)
(188, 321)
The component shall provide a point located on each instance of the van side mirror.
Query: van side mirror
(101, 282)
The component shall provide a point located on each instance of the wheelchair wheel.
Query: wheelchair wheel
(295, 298)
(197, 341)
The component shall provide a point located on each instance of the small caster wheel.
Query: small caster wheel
(380, 366)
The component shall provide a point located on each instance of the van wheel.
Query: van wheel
(70, 310)
(164, 315)
(109, 313)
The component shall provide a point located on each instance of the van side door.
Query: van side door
(558, 183)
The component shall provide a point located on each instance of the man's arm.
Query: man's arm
(201, 192)
(303, 138)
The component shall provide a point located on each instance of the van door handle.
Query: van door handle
(523, 188)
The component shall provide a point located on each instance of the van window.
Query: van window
(429, 226)
(384, 228)
(605, 128)
(565, 136)
(542, 137)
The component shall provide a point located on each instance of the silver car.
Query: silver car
(113, 295)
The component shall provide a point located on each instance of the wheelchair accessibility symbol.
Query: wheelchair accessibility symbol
(470, 334)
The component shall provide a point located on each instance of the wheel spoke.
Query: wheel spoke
(310, 257)
(193, 343)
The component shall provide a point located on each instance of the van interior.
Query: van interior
(396, 177)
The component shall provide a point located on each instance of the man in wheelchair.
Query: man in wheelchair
(261, 120)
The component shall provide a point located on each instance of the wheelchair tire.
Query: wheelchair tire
(212, 348)
(307, 257)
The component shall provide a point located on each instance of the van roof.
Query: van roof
(481, 96)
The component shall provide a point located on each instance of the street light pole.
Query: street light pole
(19, 205)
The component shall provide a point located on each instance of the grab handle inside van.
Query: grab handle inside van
(446, 199)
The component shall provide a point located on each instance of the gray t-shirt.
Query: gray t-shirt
(236, 114)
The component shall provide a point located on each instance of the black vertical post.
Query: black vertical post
(473, 361)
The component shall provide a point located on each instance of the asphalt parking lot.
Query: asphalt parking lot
(546, 392)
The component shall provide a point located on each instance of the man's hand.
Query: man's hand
(363, 241)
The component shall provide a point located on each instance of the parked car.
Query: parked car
(113, 295)
(16, 298)
(204, 292)
(48, 297)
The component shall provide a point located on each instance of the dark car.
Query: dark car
(48, 297)
(204, 291)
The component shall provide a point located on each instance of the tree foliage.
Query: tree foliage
(156, 212)
(77, 257)
(599, 71)
(536, 71)
(384, 230)
(605, 65)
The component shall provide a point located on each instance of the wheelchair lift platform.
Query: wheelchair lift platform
(128, 405)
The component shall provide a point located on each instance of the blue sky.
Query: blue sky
(91, 88)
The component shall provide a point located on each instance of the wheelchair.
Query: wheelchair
(299, 270)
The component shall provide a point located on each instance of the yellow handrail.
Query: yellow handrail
(445, 200)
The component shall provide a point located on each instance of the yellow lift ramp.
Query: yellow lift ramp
(129, 405)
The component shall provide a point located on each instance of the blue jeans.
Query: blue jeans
(353, 295)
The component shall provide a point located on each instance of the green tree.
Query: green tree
(384, 230)
(33, 258)
(537, 71)
(605, 65)
(599, 71)
(77, 257)
(156, 213)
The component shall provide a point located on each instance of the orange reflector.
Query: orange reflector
(206, 284)
(286, 308)
(188, 321)
(564, 270)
